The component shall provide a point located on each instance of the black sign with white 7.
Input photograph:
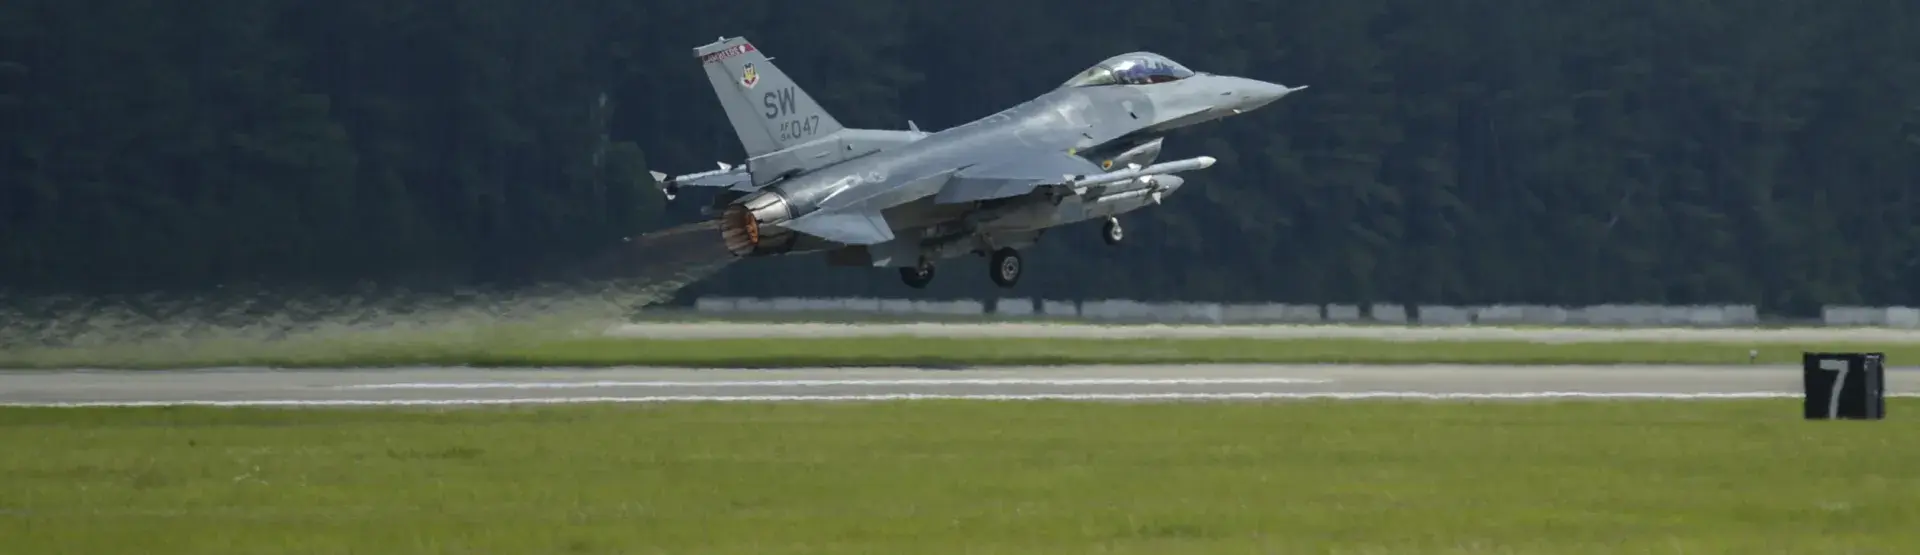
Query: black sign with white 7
(1844, 386)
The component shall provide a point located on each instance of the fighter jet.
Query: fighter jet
(908, 198)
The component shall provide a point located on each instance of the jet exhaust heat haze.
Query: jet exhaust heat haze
(569, 299)
(908, 198)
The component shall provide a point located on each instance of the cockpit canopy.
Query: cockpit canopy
(1134, 68)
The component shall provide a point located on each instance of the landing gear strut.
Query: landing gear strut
(1005, 268)
(919, 276)
(1111, 232)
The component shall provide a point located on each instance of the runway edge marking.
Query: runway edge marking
(835, 383)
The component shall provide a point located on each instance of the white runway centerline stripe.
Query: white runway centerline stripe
(841, 383)
(1344, 396)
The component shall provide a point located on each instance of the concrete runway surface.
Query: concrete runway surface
(467, 386)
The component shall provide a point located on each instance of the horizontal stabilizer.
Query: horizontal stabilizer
(849, 228)
(727, 177)
(1012, 177)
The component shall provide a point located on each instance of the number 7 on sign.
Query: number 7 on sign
(1839, 382)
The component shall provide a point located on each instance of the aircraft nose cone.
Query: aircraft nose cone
(1261, 93)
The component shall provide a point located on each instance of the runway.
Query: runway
(468, 386)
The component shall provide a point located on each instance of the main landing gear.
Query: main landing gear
(919, 276)
(1112, 232)
(1004, 267)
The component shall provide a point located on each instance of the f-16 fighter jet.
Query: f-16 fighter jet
(910, 198)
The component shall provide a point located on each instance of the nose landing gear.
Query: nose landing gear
(1111, 232)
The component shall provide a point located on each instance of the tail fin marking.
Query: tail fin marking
(768, 111)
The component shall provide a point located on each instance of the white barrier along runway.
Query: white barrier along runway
(736, 330)
(465, 386)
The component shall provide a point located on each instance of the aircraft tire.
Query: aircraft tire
(1111, 232)
(1006, 266)
(917, 277)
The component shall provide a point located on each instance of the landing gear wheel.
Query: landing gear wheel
(1005, 268)
(1112, 233)
(917, 277)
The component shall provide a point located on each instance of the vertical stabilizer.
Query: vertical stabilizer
(768, 111)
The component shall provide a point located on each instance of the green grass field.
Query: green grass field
(962, 477)
(523, 351)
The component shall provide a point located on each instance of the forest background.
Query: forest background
(1447, 152)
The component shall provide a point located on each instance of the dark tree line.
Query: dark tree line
(1447, 152)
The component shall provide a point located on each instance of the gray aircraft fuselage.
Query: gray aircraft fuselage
(1099, 123)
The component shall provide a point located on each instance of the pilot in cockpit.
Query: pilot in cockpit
(1137, 68)
(1146, 71)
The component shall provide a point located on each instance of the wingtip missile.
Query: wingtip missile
(1134, 170)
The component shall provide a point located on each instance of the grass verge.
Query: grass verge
(526, 351)
(953, 477)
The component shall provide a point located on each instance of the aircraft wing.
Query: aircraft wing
(1013, 176)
